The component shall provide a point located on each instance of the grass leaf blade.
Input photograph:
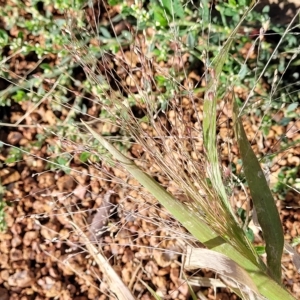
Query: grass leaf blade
(267, 213)
(210, 114)
(189, 219)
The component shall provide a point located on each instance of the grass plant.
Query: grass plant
(138, 78)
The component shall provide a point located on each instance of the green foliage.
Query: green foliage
(84, 156)
(244, 218)
(296, 241)
(30, 23)
(263, 201)
(15, 154)
(287, 179)
(261, 250)
(3, 38)
(19, 96)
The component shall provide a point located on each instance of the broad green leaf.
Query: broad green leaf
(159, 16)
(232, 2)
(105, 32)
(292, 107)
(62, 161)
(267, 213)
(84, 156)
(174, 8)
(3, 38)
(20, 96)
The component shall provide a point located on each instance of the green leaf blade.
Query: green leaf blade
(210, 114)
(267, 213)
(189, 219)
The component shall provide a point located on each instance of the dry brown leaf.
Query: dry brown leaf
(197, 258)
(80, 191)
(294, 255)
(206, 282)
(115, 283)
(100, 219)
